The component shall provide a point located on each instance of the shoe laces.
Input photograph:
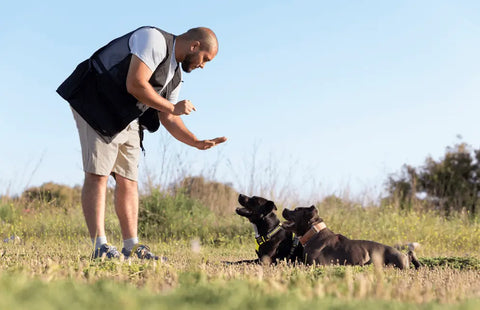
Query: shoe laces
(106, 250)
(143, 251)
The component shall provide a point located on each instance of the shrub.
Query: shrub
(51, 194)
(181, 217)
(449, 184)
(8, 213)
(218, 197)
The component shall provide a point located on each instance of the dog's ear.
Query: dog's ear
(274, 206)
(270, 206)
(313, 214)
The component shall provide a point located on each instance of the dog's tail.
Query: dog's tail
(411, 246)
(413, 259)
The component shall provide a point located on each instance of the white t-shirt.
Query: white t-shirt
(149, 45)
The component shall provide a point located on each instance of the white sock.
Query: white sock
(99, 241)
(129, 243)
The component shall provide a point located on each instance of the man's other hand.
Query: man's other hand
(183, 107)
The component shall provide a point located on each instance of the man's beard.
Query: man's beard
(187, 62)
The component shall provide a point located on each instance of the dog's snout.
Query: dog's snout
(242, 199)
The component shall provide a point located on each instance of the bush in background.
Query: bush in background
(220, 198)
(52, 194)
(451, 184)
(181, 217)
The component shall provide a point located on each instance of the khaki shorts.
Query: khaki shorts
(120, 156)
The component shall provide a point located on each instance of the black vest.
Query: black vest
(97, 88)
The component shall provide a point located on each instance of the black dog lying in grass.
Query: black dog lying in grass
(273, 243)
(322, 246)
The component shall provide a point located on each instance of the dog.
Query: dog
(273, 242)
(323, 247)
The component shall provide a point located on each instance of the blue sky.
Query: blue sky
(321, 96)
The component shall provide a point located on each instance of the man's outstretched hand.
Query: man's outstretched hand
(206, 144)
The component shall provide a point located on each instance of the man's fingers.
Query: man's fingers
(189, 107)
(206, 144)
(189, 110)
(219, 140)
(184, 107)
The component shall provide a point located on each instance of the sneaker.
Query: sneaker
(107, 250)
(142, 252)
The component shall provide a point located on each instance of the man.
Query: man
(130, 84)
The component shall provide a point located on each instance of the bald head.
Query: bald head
(206, 37)
(195, 48)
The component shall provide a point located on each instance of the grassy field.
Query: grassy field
(45, 264)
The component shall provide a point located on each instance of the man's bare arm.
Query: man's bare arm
(138, 86)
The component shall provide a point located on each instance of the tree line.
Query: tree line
(448, 184)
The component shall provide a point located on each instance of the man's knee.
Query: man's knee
(125, 182)
(95, 179)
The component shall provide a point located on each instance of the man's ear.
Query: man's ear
(194, 46)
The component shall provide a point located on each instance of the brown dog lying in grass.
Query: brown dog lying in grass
(322, 246)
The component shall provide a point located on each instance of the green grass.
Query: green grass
(42, 276)
(461, 263)
(24, 293)
(48, 265)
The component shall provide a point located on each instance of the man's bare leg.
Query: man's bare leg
(126, 206)
(93, 203)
